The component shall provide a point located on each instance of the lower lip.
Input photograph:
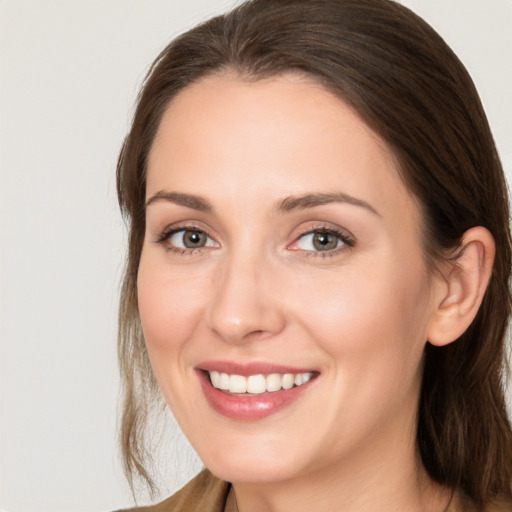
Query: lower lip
(249, 408)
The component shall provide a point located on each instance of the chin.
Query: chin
(246, 471)
(250, 466)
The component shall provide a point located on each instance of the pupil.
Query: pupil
(324, 241)
(194, 239)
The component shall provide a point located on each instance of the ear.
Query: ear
(460, 290)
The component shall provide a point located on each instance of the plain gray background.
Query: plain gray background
(69, 73)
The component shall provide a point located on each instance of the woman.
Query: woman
(318, 265)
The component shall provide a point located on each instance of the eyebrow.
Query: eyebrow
(288, 204)
(311, 200)
(188, 200)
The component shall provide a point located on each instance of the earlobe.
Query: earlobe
(463, 287)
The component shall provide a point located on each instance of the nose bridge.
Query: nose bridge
(242, 307)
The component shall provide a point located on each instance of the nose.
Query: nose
(246, 304)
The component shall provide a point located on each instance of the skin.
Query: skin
(360, 315)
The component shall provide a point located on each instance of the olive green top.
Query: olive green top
(204, 493)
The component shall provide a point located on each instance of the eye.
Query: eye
(186, 239)
(324, 240)
(318, 242)
(189, 239)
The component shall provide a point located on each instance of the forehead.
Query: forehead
(269, 113)
(274, 137)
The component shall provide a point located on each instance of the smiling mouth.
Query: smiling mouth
(257, 384)
(251, 392)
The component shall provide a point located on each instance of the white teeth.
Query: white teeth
(257, 384)
(273, 382)
(237, 384)
(288, 379)
(223, 382)
(215, 378)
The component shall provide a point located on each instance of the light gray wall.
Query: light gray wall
(69, 75)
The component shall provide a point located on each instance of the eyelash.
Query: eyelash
(163, 237)
(346, 239)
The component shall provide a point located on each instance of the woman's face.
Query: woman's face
(281, 246)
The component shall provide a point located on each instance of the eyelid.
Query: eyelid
(348, 240)
(164, 236)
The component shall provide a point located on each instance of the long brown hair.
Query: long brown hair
(410, 88)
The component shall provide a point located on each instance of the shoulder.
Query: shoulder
(204, 493)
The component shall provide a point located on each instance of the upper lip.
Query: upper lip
(249, 368)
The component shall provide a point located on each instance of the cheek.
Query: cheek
(170, 308)
(370, 329)
(170, 304)
(369, 318)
